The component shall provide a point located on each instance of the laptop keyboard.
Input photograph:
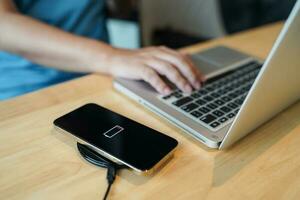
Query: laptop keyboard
(219, 100)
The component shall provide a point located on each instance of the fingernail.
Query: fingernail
(188, 88)
(166, 90)
(197, 85)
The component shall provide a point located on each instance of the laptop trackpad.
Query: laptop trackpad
(217, 58)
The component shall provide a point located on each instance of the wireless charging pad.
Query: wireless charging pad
(96, 159)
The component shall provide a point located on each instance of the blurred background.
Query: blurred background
(178, 23)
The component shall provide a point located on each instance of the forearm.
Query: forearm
(53, 47)
(50, 46)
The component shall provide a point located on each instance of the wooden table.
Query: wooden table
(38, 163)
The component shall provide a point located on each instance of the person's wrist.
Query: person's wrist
(110, 55)
(97, 57)
(111, 60)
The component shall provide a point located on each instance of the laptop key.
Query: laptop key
(219, 102)
(218, 113)
(202, 92)
(243, 98)
(244, 89)
(214, 124)
(238, 101)
(178, 95)
(196, 114)
(208, 88)
(204, 110)
(189, 107)
(223, 119)
(195, 95)
(200, 102)
(232, 105)
(208, 118)
(222, 91)
(225, 109)
(226, 99)
(167, 97)
(182, 101)
(238, 91)
(230, 115)
(227, 89)
(232, 95)
(208, 98)
(214, 95)
(212, 106)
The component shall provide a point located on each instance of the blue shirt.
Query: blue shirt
(81, 17)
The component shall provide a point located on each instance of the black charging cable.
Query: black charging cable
(93, 157)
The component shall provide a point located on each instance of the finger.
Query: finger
(200, 76)
(185, 67)
(150, 75)
(186, 59)
(168, 70)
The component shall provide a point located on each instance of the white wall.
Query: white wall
(196, 17)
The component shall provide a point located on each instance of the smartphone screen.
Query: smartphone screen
(134, 144)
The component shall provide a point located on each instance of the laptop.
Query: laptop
(240, 94)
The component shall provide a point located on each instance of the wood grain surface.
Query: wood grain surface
(38, 163)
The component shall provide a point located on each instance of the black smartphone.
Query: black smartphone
(118, 138)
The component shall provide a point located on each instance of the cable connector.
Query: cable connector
(93, 157)
(111, 174)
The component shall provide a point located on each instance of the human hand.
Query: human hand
(148, 63)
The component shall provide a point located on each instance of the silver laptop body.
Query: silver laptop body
(255, 92)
